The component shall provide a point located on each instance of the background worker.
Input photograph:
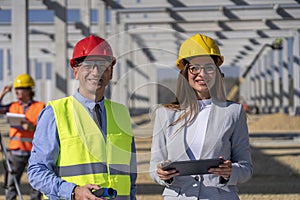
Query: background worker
(73, 152)
(20, 142)
(201, 124)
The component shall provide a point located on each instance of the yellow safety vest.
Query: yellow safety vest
(85, 157)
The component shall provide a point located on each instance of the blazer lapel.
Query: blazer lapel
(214, 127)
(178, 140)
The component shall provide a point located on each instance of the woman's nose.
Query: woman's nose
(201, 72)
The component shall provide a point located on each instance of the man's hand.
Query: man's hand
(27, 126)
(85, 192)
(5, 90)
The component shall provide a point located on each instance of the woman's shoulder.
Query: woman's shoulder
(230, 107)
(164, 109)
(232, 103)
(227, 104)
(168, 108)
(234, 108)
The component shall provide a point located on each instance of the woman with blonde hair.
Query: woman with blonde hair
(200, 124)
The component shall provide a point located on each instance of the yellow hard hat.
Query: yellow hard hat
(198, 45)
(23, 81)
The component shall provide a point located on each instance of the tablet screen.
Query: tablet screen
(193, 167)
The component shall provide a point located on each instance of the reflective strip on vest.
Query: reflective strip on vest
(21, 139)
(115, 169)
(92, 168)
(75, 170)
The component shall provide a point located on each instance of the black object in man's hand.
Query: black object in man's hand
(106, 192)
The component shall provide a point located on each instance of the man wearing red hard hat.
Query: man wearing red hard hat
(84, 142)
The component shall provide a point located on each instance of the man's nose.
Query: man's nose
(98, 69)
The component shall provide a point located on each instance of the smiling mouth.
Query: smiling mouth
(201, 82)
(96, 81)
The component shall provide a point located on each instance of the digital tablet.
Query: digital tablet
(193, 167)
(15, 119)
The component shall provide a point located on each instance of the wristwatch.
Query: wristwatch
(73, 193)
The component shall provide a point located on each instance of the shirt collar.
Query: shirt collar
(204, 103)
(25, 104)
(87, 102)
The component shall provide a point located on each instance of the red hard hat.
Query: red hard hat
(92, 46)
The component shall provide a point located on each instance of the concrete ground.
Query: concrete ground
(275, 142)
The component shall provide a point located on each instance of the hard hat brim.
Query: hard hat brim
(74, 62)
(180, 63)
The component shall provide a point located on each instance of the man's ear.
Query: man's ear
(75, 72)
(111, 72)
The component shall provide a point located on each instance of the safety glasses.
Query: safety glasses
(90, 65)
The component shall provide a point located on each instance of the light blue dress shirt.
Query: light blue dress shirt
(45, 151)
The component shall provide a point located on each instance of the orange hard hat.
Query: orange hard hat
(92, 46)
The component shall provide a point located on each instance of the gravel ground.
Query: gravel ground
(276, 160)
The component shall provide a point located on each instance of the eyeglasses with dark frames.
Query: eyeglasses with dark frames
(196, 68)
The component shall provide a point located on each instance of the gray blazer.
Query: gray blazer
(226, 135)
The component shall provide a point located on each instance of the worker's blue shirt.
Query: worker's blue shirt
(45, 152)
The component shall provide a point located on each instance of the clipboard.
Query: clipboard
(193, 167)
(15, 120)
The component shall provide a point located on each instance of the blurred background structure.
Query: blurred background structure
(260, 40)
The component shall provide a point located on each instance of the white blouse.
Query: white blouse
(196, 131)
